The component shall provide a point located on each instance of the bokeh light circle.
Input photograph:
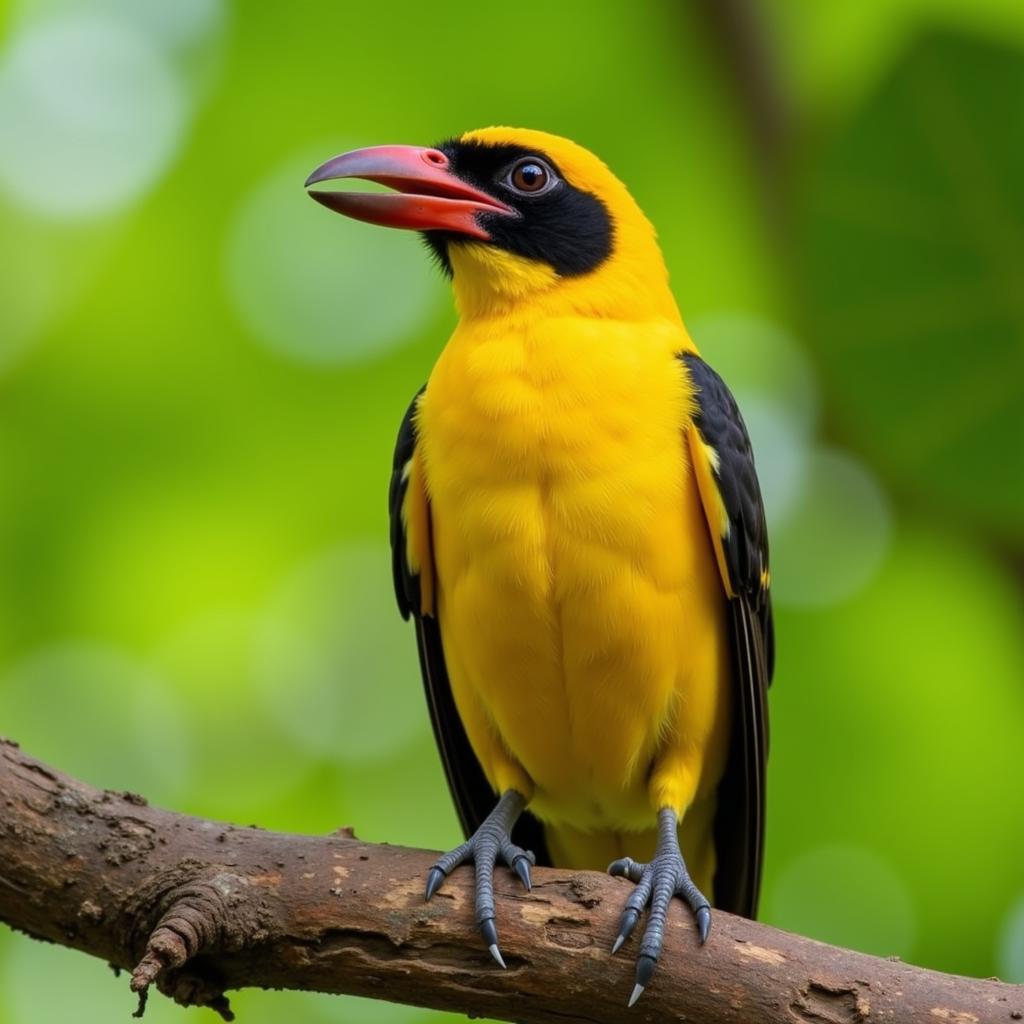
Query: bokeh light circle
(846, 895)
(321, 289)
(176, 25)
(774, 384)
(781, 453)
(760, 360)
(834, 536)
(337, 663)
(91, 113)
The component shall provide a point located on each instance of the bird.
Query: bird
(578, 534)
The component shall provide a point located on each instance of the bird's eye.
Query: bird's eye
(531, 177)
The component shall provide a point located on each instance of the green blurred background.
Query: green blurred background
(202, 373)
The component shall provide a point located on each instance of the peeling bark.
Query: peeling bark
(198, 908)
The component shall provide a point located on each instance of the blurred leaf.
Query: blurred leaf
(896, 721)
(915, 277)
(836, 53)
(834, 535)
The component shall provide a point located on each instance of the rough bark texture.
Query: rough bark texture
(198, 908)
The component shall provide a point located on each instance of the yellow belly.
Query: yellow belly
(580, 606)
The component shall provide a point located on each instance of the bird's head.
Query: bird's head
(519, 218)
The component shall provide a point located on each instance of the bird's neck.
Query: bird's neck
(490, 282)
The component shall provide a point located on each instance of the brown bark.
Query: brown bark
(199, 908)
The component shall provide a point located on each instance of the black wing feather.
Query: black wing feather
(471, 792)
(407, 583)
(739, 821)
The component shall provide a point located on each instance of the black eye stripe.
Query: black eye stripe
(569, 229)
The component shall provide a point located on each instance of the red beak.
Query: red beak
(428, 197)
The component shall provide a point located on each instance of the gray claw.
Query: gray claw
(490, 934)
(488, 931)
(434, 880)
(703, 923)
(619, 867)
(626, 925)
(626, 867)
(522, 868)
(644, 972)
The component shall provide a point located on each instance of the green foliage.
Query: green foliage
(894, 725)
(915, 267)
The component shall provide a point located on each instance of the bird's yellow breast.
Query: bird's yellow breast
(577, 593)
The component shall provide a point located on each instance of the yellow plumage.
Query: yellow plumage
(582, 610)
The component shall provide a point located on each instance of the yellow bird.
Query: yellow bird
(578, 532)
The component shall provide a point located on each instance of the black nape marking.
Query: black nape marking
(566, 228)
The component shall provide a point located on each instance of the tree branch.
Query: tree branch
(739, 30)
(198, 908)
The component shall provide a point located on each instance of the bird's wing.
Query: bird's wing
(413, 571)
(731, 495)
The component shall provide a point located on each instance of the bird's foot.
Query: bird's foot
(490, 841)
(656, 883)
